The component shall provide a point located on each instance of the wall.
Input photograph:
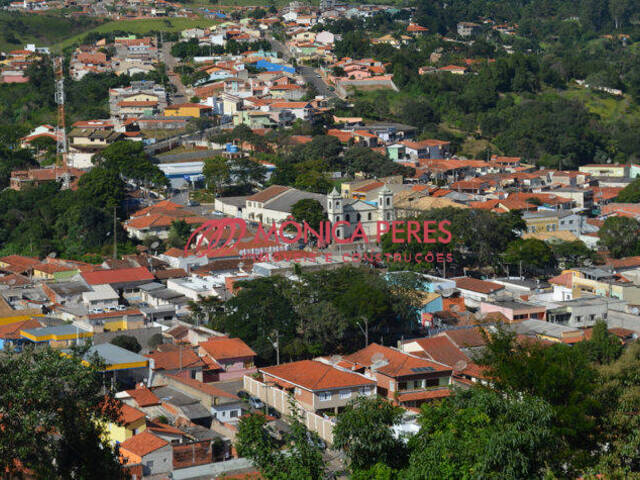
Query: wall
(162, 461)
(279, 400)
(141, 334)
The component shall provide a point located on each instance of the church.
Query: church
(367, 213)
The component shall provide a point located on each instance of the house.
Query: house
(181, 362)
(467, 29)
(318, 386)
(606, 170)
(224, 406)
(273, 204)
(156, 220)
(35, 177)
(426, 149)
(226, 358)
(154, 453)
(475, 291)
(84, 143)
(402, 378)
(130, 422)
(194, 110)
(514, 311)
(127, 279)
(10, 336)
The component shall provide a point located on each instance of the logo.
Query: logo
(221, 233)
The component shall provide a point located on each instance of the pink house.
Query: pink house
(514, 311)
(226, 359)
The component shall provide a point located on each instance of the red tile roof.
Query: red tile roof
(221, 348)
(424, 395)
(143, 396)
(398, 363)
(174, 360)
(475, 285)
(11, 331)
(129, 414)
(466, 337)
(122, 275)
(314, 375)
(441, 349)
(143, 444)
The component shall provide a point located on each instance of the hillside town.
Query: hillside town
(325, 241)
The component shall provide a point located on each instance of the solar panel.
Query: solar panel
(422, 369)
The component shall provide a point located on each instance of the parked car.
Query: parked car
(244, 395)
(256, 403)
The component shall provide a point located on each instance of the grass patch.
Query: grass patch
(177, 150)
(202, 196)
(139, 27)
(607, 107)
(161, 134)
(18, 29)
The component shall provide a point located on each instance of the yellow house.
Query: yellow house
(594, 281)
(541, 222)
(194, 110)
(119, 320)
(61, 336)
(132, 422)
(606, 170)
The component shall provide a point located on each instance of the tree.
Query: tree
(302, 459)
(205, 311)
(363, 431)
(630, 193)
(127, 342)
(53, 410)
(179, 233)
(216, 173)
(310, 211)
(313, 181)
(533, 254)
(603, 347)
(155, 340)
(560, 375)
(130, 160)
(101, 187)
(573, 254)
(493, 436)
(620, 236)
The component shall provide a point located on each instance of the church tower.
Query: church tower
(335, 210)
(385, 205)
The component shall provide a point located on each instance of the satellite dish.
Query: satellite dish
(52, 255)
(155, 244)
(12, 282)
(460, 365)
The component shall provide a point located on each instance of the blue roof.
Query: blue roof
(273, 67)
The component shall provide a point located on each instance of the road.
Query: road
(310, 75)
(170, 61)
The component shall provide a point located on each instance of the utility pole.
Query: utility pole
(365, 330)
(115, 240)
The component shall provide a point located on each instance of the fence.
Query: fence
(279, 400)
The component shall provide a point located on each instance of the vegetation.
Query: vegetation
(127, 342)
(56, 410)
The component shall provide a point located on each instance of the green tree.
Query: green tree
(620, 236)
(216, 173)
(127, 342)
(630, 193)
(603, 347)
(302, 459)
(363, 432)
(313, 181)
(155, 340)
(560, 375)
(533, 254)
(52, 411)
(130, 160)
(179, 233)
(310, 211)
(493, 436)
(101, 187)
(573, 254)
(205, 311)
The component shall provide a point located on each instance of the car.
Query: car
(192, 203)
(244, 395)
(318, 75)
(120, 308)
(256, 403)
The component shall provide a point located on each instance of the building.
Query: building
(319, 386)
(154, 453)
(514, 311)
(355, 213)
(467, 29)
(193, 110)
(402, 378)
(273, 204)
(131, 422)
(37, 176)
(226, 358)
(475, 291)
(181, 362)
(606, 170)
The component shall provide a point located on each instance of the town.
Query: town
(319, 241)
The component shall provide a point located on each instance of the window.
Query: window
(365, 390)
(347, 218)
(324, 396)
(234, 413)
(369, 216)
(388, 201)
(345, 393)
(402, 386)
(432, 382)
(193, 374)
(358, 218)
(150, 464)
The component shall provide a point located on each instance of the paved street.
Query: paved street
(309, 74)
(170, 61)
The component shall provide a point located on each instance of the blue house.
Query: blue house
(273, 67)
